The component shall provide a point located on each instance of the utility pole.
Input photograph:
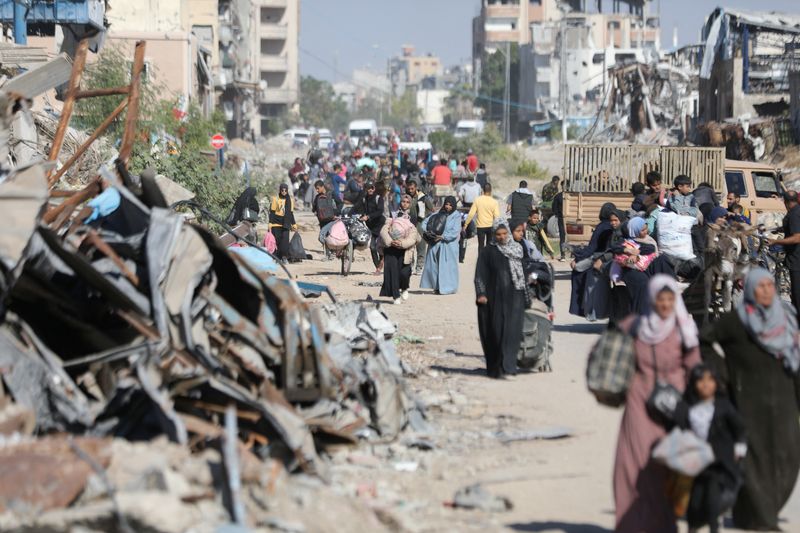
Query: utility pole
(562, 74)
(507, 97)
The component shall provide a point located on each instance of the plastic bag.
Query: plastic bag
(675, 235)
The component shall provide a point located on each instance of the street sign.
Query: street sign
(218, 142)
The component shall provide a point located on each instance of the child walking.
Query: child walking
(713, 418)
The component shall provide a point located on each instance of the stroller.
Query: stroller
(537, 328)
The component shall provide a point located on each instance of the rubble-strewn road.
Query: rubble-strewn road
(557, 485)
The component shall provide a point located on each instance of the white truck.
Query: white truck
(359, 129)
(465, 128)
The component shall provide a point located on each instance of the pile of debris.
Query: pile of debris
(123, 322)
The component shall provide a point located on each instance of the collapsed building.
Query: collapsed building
(122, 322)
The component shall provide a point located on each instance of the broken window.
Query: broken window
(766, 184)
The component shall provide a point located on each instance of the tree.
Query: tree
(320, 106)
(458, 105)
(493, 83)
(404, 110)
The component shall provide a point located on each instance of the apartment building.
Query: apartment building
(278, 45)
(410, 69)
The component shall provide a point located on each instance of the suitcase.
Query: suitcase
(536, 347)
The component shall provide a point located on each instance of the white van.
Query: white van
(298, 136)
(362, 128)
(465, 128)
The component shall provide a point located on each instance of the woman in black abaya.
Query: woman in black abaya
(761, 369)
(599, 244)
(502, 297)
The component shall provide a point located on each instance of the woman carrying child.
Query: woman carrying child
(400, 238)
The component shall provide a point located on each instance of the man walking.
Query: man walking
(421, 206)
(520, 202)
(549, 192)
(791, 243)
(472, 162)
(469, 192)
(484, 211)
(558, 212)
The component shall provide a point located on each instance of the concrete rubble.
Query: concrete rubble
(152, 380)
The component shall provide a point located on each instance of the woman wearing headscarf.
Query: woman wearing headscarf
(281, 220)
(638, 256)
(502, 296)
(666, 348)
(591, 254)
(400, 238)
(759, 340)
(441, 261)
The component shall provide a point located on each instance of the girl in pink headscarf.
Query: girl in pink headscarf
(666, 347)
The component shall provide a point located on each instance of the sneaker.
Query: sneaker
(398, 301)
(404, 295)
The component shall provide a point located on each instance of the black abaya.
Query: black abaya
(500, 319)
(282, 242)
(768, 400)
(396, 274)
(599, 243)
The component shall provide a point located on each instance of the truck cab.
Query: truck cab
(761, 190)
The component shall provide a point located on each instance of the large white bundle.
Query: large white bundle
(675, 235)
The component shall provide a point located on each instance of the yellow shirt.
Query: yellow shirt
(485, 209)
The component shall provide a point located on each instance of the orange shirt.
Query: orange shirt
(441, 175)
(472, 162)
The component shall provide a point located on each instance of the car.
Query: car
(325, 138)
(298, 136)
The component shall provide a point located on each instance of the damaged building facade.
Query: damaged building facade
(588, 42)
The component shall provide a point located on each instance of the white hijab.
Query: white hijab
(653, 329)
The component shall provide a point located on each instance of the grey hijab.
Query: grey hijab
(512, 250)
(773, 327)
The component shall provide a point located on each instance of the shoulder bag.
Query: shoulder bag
(665, 403)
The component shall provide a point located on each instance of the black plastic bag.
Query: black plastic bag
(297, 251)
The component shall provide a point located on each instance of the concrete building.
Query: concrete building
(278, 31)
(592, 43)
(176, 57)
(747, 60)
(412, 70)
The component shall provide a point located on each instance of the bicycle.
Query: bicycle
(773, 259)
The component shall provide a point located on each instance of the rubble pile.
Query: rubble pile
(153, 380)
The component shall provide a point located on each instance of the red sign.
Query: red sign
(218, 142)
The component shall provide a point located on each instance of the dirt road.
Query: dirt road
(554, 485)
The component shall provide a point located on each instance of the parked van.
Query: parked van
(359, 129)
(465, 128)
(596, 174)
(298, 136)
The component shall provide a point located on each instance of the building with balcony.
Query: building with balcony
(278, 30)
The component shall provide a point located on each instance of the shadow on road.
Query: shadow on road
(463, 371)
(584, 328)
(559, 526)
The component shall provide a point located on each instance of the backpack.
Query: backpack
(610, 367)
(326, 210)
(535, 349)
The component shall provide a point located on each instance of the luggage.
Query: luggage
(296, 250)
(435, 227)
(359, 233)
(674, 234)
(610, 367)
(326, 210)
(536, 347)
(269, 242)
(400, 228)
(683, 452)
(552, 227)
(337, 237)
(596, 295)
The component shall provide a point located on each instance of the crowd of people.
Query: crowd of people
(737, 380)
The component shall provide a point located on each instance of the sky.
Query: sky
(337, 36)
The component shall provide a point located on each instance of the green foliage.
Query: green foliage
(573, 133)
(493, 83)
(487, 144)
(404, 110)
(319, 105)
(527, 168)
(113, 69)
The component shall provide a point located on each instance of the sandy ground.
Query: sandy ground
(554, 485)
